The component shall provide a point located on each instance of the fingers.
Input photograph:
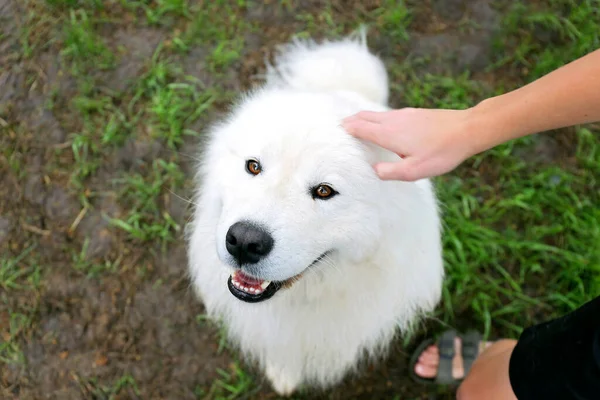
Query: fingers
(364, 129)
(372, 116)
(365, 125)
(404, 170)
(368, 125)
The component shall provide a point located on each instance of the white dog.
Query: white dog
(308, 258)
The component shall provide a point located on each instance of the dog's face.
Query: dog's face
(294, 191)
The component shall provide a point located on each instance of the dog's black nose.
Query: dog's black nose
(248, 243)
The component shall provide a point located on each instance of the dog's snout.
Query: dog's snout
(247, 242)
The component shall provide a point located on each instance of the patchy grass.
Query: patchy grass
(160, 12)
(218, 27)
(19, 275)
(438, 91)
(10, 348)
(232, 384)
(94, 389)
(543, 36)
(523, 246)
(394, 18)
(82, 46)
(172, 104)
(19, 272)
(522, 223)
(93, 268)
(146, 220)
(76, 4)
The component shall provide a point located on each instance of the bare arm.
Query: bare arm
(567, 96)
(432, 142)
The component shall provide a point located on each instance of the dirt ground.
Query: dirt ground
(134, 330)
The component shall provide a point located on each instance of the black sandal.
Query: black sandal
(470, 351)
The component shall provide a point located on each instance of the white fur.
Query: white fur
(386, 267)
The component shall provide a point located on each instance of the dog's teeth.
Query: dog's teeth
(265, 284)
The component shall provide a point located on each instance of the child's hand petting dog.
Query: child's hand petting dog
(432, 142)
(427, 140)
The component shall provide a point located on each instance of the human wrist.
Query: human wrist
(490, 123)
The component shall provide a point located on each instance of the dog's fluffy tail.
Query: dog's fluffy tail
(345, 65)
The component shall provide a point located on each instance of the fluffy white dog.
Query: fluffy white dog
(308, 258)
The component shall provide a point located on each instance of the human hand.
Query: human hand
(431, 142)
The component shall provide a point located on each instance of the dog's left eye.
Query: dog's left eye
(323, 192)
(253, 167)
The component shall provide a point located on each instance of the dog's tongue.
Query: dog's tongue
(248, 284)
(247, 279)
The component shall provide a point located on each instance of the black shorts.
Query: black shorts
(559, 359)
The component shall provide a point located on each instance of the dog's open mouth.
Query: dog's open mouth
(250, 289)
(253, 290)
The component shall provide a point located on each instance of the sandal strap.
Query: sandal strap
(446, 350)
(470, 349)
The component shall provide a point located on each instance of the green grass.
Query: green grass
(232, 384)
(19, 272)
(145, 220)
(161, 106)
(571, 25)
(220, 329)
(82, 46)
(75, 3)
(172, 104)
(92, 268)
(529, 246)
(94, 389)
(175, 106)
(19, 276)
(160, 12)
(10, 349)
(438, 91)
(218, 27)
(394, 17)
(526, 244)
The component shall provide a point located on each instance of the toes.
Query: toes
(433, 350)
(425, 371)
(429, 359)
(428, 362)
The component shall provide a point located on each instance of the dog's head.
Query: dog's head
(292, 189)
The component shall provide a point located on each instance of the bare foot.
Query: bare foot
(429, 360)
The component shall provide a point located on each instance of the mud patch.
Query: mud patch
(135, 48)
(6, 225)
(454, 51)
(60, 206)
(451, 10)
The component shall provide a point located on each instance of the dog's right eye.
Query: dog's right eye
(253, 167)
(323, 192)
